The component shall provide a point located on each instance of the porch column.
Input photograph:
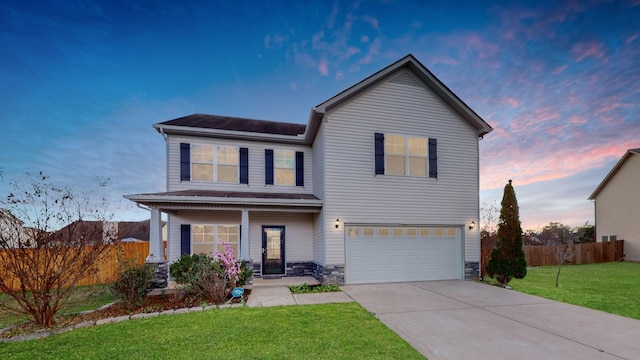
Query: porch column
(156, 251)
(244, 236)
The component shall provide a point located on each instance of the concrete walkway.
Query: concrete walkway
(467, 320)
(275, 292)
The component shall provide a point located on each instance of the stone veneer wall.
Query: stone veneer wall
(329, 274)
(471, 270)
(161, 272)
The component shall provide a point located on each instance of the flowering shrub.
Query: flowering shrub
(229, 263)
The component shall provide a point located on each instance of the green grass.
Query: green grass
(330, 331)
(86, 298)
(610, 287)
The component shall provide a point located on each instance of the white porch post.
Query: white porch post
(156, 250)
(244, 236)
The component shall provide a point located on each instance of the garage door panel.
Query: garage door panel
(372, 259)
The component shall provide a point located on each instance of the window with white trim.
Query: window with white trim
(405, 155)
(284, 167)
(214, 163)
(207, 238)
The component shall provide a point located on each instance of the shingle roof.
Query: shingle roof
(237, 124)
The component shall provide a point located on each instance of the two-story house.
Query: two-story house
(380, 185)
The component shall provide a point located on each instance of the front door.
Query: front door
(272, 250)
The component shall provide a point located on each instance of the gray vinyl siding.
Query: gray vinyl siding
(318, 190)
(298, 231)
(617, 208)
(256, 166)
(355, 195)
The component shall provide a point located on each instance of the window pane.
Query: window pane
(227, 155)
(418, 147)
(284, 159)
(285, 177)
(417, 166)
(354, 231)
(368, 231)
(438, 232)
(228, 173)
(383, 231)
(202, 233)
(202, 172)
(397, 231)
(425, 231)
(394, 144)
(394, 164)
(452, 232)
(412, 231)
(202, 153)
(202, 248)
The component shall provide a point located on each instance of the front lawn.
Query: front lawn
(330, 331)
(610, 287)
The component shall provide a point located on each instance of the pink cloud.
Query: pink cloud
(323, 67)
(371, 20)
(586, 49)
(633, 37)
(559, 70)
(575, 119)
(374, 49)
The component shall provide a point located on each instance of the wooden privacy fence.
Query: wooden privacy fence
(111, 262)
(589, 253)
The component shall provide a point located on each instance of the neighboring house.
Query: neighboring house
(12, 232)
(617, 205)
(380, 185)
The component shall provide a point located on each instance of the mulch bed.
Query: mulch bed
(154, 303)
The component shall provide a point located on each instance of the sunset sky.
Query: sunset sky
(82, 82)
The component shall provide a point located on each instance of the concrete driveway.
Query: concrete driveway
(468, 320)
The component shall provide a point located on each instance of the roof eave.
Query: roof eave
(613, 171)
(228, 134)
(151, 199)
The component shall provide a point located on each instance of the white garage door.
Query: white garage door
(404, 253)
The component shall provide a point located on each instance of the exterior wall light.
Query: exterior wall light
(337, 223)
(472, 225)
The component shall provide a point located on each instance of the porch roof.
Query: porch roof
(221, 200)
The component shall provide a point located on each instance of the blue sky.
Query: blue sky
(83, 81)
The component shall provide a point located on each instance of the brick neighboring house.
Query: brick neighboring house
(380, 185)
(617, 205)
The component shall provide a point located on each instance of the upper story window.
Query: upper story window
(285, 167)
(405, 155)
(214, 163)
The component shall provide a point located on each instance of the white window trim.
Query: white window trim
(216, 237)
(214, 163)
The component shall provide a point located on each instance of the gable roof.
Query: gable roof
(232, 127)
(411, 63)
(616, 167)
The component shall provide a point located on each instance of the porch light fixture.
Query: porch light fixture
(337, 223)
(472, 225)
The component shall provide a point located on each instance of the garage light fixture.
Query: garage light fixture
(472, 225)
(337, 223)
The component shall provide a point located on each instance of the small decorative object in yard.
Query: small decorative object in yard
(237, 293)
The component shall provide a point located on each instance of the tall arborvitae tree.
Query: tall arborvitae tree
(507, 258)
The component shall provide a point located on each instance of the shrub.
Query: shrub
(244, 274)
(133, 284)
(188, 267)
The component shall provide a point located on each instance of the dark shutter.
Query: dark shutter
(185, 162)
(299, 168)
(379, 153)
(433, 158)
(244, 165)
(185, 239)
(268, 166)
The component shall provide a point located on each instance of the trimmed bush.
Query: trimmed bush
(133, 285)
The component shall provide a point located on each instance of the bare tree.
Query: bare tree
(50, 239)
(489, 212)
(564, 249)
